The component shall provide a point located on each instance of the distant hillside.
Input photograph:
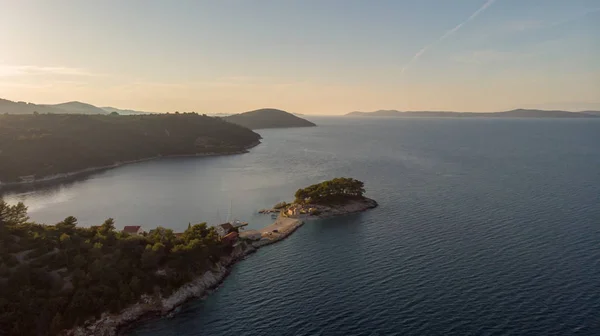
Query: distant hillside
(49, 144)
(11, 107)
(74, 107)
(109, 109)
(518, 113)
(268, 118)
(378, 113)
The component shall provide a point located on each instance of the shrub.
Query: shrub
(280, 205)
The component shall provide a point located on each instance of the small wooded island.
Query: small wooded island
(329, 198)
(67, 280)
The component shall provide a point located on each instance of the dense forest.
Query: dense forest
(54, 277)
(268, 118)
(48, 144)
(329, 192)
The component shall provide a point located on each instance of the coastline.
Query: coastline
(150, 307)
(61, 176)
(326, 211)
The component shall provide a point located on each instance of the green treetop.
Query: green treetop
(333, 191)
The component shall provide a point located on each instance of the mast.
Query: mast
(229, 213)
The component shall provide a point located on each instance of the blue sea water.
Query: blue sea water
(485, 227)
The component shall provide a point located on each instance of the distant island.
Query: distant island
(268, 118)
(67, 280)
(518, 113)
(38, 147)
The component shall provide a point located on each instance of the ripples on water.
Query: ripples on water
(485, 227)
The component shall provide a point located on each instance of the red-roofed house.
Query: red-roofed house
(224, 229)
(133, 229)
(230, 238)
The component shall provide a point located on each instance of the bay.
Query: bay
(485, 227)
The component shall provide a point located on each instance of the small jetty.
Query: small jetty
(275, 232)
(238, 224)
(268, 211)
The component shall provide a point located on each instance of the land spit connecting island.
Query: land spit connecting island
(336, 197)
(98, 281)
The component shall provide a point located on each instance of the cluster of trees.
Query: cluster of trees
(48, 144)
(337, 190)
(280, 205)
(55, 277)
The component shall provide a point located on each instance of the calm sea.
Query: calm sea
(485, 227)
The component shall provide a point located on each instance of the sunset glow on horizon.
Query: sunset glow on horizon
(311, 57)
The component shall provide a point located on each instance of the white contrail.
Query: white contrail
(446, 34)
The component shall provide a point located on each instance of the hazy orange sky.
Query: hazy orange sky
(313, 57)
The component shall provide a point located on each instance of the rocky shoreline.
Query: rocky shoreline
(62, 176)
(149, 306)
(320, 211)
(152, 306)
(344, 209)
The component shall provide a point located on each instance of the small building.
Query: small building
(224, 229)
(133, 229)
(292, 211)
(230, 238)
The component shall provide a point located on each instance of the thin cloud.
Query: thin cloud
(487, 56)
(33, 70)
(525, 25)
(520, 26)
(576, 17)
(447, 34)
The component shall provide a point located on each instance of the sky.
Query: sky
(304, 56)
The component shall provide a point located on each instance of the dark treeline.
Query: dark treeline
(47, 144)
(54, 277)
(332, 191)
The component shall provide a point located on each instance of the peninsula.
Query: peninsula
(38, 147)
(268, 118)
(67, 280)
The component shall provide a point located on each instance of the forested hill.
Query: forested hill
(268, 118)
(48, 144)
(55, 277)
